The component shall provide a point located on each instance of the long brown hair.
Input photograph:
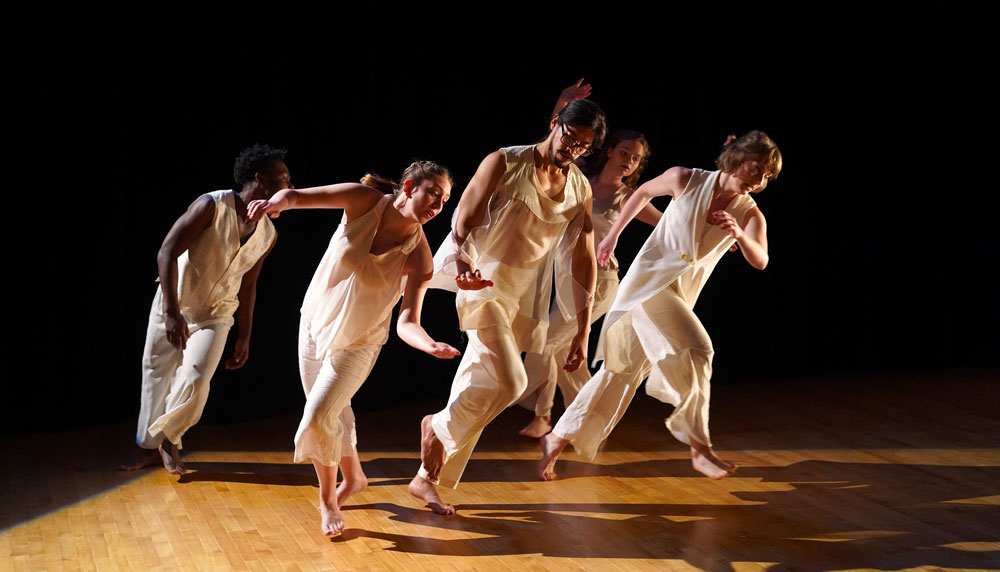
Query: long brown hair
(595, 163)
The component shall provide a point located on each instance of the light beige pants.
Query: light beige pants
(661, 333)
(175, 382)
(327, 432)
(545, 370)
(490, 377)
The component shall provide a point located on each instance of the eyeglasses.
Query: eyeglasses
(575, 146)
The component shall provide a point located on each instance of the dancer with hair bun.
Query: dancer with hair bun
(651, 328)
(378, 253)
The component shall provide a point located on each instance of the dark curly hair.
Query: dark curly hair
(254, 159)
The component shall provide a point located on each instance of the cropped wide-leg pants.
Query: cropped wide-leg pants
(662, 333)
(175, 382)
(330, 379)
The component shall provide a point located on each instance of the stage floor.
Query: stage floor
(887, 472)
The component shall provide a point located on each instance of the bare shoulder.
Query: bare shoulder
(678, 177)
(495, 162)
(362, 197)
(203, 205)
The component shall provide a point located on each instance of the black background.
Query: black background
(880, 226)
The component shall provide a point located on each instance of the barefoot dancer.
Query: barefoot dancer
(617, 169)
(517, 208)
(378, 252)
(651, 329)
(208, 266)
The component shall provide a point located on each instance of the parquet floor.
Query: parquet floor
(891, 473)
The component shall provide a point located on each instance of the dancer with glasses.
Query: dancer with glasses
(523, 205)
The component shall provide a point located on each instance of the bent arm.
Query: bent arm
(671, 182)
(356, 199)
(182, 235)
(244, 313)
(419, 267)
(753, 240)
(649, 215)
(584, 265)
(475, 200)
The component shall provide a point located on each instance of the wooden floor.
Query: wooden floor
(884, 473)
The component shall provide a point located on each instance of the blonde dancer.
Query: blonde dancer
(377, 254)
(651, 328)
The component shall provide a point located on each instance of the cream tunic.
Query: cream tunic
(681, 253)
(545, 369)
(211, 270)
(515, 246)
(349, 302)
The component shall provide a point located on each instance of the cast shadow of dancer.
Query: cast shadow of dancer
(835, 516)
(287, 474)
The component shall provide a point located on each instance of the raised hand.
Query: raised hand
(578, 90)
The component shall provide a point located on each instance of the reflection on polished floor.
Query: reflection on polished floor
(889, 473)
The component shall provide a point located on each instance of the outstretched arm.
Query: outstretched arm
(752, 238)
(244, 313)
(578, 90)
(585, 274)
(671, 182)
(419, 268)
(186, 229)
(471, 210)
(354, 198)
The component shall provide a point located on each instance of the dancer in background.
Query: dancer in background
(378, 253)
(614, 173)
(651, 328)
(208, 266)
(520, 205)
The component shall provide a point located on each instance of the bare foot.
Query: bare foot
(427, 492)
(552, 445)
(350, 487)
(148, 458)
(539, 426)
(171, 458)
(331, 521)
(706, 462)
(431, 449)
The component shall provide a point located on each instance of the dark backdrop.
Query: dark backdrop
(880, 225)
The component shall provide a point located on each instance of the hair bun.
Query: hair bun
(381, 183)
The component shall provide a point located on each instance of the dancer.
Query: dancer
(378, 253)
(208, 266)
(517, 208)
(616, 171)
(651, 328)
